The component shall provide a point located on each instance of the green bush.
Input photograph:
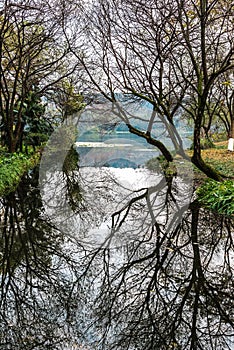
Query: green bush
(12, 168)
(217, 196)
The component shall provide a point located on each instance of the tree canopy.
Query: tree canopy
(174, 55)
(33, 58)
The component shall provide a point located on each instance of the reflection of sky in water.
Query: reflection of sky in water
(107, 190)
(55, 289)
(126, 153)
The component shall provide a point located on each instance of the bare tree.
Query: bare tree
(220, 107)
(169, 54)
(33, 57)
(168, 288)
(226, 106)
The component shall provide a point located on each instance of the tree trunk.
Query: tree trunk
(151, 141)
(197, 158)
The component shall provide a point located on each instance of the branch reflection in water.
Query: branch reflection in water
(40, 276)
(164, 287)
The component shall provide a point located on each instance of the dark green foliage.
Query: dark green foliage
(37, 127)
(217, 196)
(12, 168)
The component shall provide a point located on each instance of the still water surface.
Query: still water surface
(113, 266)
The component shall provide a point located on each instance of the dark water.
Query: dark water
(165, 289)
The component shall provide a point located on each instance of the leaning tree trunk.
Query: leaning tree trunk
(197, 158)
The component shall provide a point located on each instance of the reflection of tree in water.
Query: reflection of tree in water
(38, 277)
(165, 289)
(171, 290)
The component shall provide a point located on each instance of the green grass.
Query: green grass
(217, 196)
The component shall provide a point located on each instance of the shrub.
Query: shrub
(12, 168)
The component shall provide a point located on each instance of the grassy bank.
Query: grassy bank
(220, 158)
(218, 196)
